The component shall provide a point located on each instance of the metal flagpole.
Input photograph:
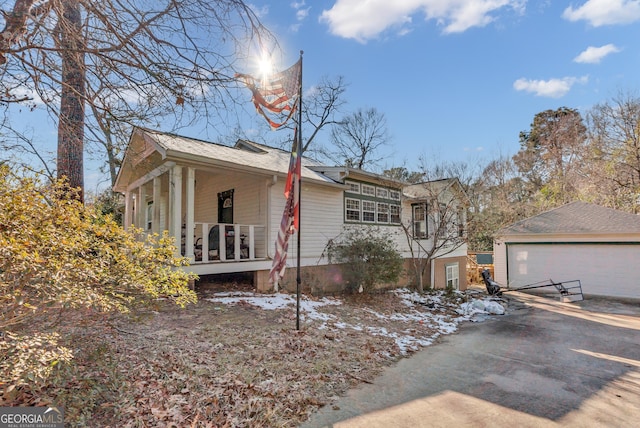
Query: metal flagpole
(299, 142)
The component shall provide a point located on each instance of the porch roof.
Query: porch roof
(253, 156)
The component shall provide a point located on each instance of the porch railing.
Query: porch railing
(228, 242)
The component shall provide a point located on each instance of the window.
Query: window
(460, 223)
(149, 215)
(368, 203)
(452, 275)
(352, 208)
(395, 214)
(368, 211)
(353, 187)
(368, 190)
(383, 212)
(419, 213)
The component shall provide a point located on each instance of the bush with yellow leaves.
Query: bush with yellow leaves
(55, 253)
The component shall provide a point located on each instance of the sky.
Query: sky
(457, 80)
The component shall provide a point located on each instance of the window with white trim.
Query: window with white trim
(353, 187)
(453, 275)
(419, 219)
(149, 215)
(383, 193)
(383, 212)
(394, 194)
(368, 211)
(394, 214)
(368, 190)
(352, 209)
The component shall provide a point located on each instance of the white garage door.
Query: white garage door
(606, 270)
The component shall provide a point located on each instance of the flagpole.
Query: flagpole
(299, 142)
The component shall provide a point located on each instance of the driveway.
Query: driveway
(542, 364)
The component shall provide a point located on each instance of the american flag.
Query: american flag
(276, 93)
(291, 217)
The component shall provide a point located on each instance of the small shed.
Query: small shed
(579, 241)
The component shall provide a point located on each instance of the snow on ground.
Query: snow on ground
(474, 310)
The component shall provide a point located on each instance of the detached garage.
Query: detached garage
(578, 241)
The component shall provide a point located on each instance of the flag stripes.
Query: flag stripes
(277, 93)
(291, 216)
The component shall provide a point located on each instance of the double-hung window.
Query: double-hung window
(383, 212)
(453, 275)
(368, 211)
(352, 209)
(419, 213)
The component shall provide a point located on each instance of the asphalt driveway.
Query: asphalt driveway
(542, 364)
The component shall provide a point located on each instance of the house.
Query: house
(578, 241)
(224, 205)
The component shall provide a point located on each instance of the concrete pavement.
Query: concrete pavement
(544, 363)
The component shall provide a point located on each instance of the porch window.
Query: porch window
(452, 275)
(368, 211)
(419, 213)
(352, 209)
(149, 215)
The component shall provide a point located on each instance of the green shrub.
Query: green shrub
(367, 258)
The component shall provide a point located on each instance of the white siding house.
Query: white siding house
(578, 241)
(224, 204)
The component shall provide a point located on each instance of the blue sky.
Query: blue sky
(459, 79)
(456, 79)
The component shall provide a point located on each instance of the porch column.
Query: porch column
(190, 208)
(155, 218)
(128, 210)
(142, 209)
(175, 205)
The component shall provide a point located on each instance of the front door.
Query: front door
(225, 207)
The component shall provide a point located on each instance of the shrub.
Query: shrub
(55, 253)
(367, 257)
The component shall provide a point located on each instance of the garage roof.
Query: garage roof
(576, 217)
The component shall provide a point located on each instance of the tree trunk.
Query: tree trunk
(71, 120)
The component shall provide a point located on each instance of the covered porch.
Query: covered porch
(216, 215)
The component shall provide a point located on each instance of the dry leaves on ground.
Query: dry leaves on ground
(226, 361)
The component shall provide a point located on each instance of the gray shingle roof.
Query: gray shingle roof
(267, 159)
(576, 217)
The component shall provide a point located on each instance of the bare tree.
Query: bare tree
(119, 57)
(358, 138)
(437, 226)
(614, 137)
(321, 103)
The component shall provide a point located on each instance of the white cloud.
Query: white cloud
(301, 15)
(260, 11)
(605, 12)
(355, 19)
(552, 88)
(593, 55)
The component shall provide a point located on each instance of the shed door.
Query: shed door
(603, 269)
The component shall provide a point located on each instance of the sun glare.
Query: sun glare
(265, 66)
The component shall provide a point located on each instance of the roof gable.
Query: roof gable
(576, 218)
(245, 155)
